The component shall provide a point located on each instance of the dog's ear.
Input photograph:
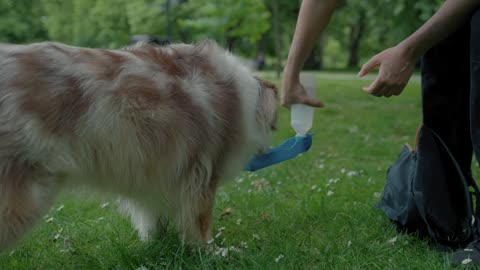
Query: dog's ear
(267, 109)
(268, 85)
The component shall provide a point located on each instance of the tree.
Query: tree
(21, 21)
(112, 23)
(363, 27)
(58, 20)
(227, 21)
(248, 27)
(88, 23)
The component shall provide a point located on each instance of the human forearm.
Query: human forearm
(446, 20)
(313, 17)
(398, 63)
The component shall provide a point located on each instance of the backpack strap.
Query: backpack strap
(417, 137)
(418, 196)
(476, 192)
(468, 180)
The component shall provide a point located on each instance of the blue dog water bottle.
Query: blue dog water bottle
(301, 121)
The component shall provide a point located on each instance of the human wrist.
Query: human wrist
(291, 74)
(410, 50)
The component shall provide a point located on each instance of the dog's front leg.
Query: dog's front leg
(147, 220)
(195, 220)
(205, 220)
(25, 195)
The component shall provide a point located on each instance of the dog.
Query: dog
(161, 127)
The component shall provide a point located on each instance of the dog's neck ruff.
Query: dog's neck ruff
(289, 149)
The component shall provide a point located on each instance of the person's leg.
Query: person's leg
(475, 83)
(471, 254)
(445, 93)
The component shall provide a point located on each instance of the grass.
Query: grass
(313, 212)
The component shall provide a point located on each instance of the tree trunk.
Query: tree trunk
(230, 43)
(261, 52)
(356, 33)
(276, 29)
(315, 59)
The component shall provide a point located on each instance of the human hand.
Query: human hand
(293, 92)
(396, 67)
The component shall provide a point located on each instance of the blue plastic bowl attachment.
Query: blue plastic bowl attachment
(289, 149)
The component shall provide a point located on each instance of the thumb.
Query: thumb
(312, 102)
(371, 64)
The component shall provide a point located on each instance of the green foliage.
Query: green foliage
(109, 23)
(110, 17)
(335, 57)
(20, 21)
(58, 17)
(403, 18)
(87, 22)
(244, 26)
(146, 17)
(227, 20)
(387, 22)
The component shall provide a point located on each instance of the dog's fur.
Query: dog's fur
(161, 127)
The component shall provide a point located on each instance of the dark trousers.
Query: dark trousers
(451, 91)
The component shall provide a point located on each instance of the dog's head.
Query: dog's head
(267, 107)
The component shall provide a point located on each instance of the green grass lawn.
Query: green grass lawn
(314, 212)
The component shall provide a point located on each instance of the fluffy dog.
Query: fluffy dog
(161, 127)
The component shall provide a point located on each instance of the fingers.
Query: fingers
(395, 69)
(381, 87)
(375, 88)
(285, 103)
(297, 95)
(307, 101)
(369, 66)
(288, 99)
(312, 102)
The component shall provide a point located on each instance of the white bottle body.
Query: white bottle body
(301, 118)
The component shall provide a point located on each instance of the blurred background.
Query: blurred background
(258, 30)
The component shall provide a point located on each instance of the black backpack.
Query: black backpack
(427, 193)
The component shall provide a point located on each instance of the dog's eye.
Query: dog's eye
(273, 127)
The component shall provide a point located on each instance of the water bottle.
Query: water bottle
(301, 118)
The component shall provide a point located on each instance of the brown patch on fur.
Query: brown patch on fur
(96, 159)
(177, 62)
(264, 107)
(205, 223)
(106, 63)
(12, 176)
(227, 104)
(59, 48)
(149, 109)
(180, 97)
(141, 100)
(140, 92)
(268, 85)
(33, 72)
(112, 66)
(206, 210)
(226, 100)
(58, 110)
(161, 59)
(192, 117)
(19, 208)
(195, 59)
(85, 53)
(59, 113)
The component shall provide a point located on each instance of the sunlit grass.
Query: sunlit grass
(314, 212)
